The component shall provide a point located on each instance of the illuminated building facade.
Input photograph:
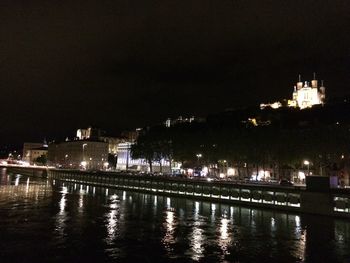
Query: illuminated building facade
(83, 154)
(171, 122)
(126, 162)
(304, 95)
(31, 151)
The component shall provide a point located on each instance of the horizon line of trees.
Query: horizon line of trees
(245, 146)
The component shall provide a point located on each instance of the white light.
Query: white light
(168, 202)
(306, 162)
(209, 179)
(83, 163)
(297, 221)
(197, 206)
(17, 181)
(230, 172)
(205, 171)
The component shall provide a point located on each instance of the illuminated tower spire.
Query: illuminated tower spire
(299, 83)
(314, 83)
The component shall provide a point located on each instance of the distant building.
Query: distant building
(112, 143)
(171, 122)
(90, 149)
(32, 150)
(83, 154)
(126, 162)
(89, 133)
(304, 95)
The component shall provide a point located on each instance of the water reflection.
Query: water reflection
(112, 219)
(225, 236)
(125, 226)
(197, 237)
(19, 188)
(61, 217)
(169, 226)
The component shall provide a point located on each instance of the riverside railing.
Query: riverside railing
(335, 202)
(285, 198)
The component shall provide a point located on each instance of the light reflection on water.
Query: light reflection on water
(112, 219)
(134, 227)
(197, 237)
(169, 226)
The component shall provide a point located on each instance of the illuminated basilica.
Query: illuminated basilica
(304, 95)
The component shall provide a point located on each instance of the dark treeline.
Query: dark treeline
(251, 138)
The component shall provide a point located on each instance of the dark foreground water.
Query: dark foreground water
(45, 222)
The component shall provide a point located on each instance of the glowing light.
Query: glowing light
(17, 180)
(204, 171)
(297, 221)
(197, 241)
(306, 162)
(168, 202)
(230, 172)
(27, 187)
(301, 175)
(62, 203)
(262, 175)
(169, 225)
(273, 222)
(64, 190)
(112, 219)
(196, 206)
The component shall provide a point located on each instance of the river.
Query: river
(43, 221)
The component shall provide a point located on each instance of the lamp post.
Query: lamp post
(199, 155)
(84, 145)
(306, 162)
(66, 160)
(84, 162)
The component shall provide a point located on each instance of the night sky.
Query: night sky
(118, 64)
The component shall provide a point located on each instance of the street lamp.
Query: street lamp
(199, 155)
(306, 162)
(84, 145)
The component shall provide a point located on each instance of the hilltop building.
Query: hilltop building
(171, 122)
(304, 95)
